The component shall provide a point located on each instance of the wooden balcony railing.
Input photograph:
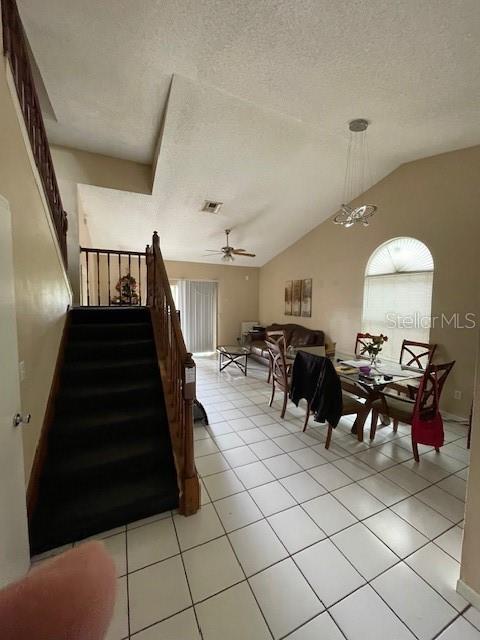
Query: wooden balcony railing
(15, 50)
(178, 375)
(112, 278)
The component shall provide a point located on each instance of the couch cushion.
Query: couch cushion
(258, 348)
(299, 336)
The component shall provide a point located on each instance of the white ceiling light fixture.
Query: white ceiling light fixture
(356, 175)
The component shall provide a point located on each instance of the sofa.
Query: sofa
(295, 335)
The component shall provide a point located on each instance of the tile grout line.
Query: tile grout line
(127, 581)
(186, 578)
(243, 570)
(349, 454)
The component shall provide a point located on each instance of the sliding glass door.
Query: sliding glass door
(197, 302)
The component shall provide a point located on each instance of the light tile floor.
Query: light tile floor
(295, 541)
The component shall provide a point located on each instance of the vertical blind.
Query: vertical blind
(197, 302)
(399, 306)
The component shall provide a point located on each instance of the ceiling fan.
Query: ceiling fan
(229, 252)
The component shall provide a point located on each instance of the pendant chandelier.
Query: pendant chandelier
(356, 175)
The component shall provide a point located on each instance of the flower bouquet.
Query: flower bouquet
(373, 347)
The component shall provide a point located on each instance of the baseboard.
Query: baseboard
(453, 417)
(468, 593)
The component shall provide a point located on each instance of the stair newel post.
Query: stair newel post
(191, 486)
(171, 351)
(149, 265)
(156, 251)
(159, 294)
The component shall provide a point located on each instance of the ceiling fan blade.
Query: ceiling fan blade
(242, 253)
(240, 250)
(213, 251)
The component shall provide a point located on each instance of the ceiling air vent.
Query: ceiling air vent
(211, 206)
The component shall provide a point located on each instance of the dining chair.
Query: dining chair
(350, 406)
(279, 370)
(413, 354)
(277, 336)
(315, 380)
(424, 407)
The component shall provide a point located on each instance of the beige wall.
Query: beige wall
(74, 167)
(470, 569)
(41, 286)
(237, 293)
(434, 200)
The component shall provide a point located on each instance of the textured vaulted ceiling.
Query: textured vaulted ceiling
(260, 99)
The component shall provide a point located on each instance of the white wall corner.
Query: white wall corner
(468, 593)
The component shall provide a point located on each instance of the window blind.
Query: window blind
(399, 306)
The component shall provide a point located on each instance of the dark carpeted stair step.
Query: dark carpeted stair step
(116, 457)
(87, 350)
(108, 394)
(109, 505)
(85, 429)
(110, 331)
(115, 369)
(108, 315)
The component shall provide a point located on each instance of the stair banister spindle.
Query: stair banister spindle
(98, 277)
(108, 276)
(120, 276)
(130, 276)
(88, 283)
(139, 281)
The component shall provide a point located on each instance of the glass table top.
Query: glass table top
(233, 349)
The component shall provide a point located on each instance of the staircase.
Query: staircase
(109, 459)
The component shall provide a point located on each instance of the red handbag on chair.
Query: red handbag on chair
(427, 422)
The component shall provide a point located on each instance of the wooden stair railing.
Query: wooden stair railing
(110, 277)
(16, 51)
(178, 373)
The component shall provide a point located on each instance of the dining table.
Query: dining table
(368, 386)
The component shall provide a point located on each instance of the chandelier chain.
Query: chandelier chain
(357, 175)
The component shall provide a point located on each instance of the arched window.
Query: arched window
(397, 299)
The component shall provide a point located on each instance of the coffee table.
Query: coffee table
(233, 354)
